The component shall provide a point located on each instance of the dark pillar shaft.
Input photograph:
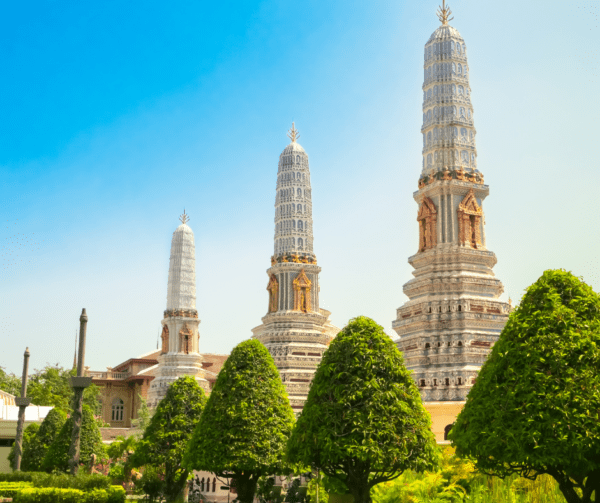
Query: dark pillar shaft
(23, 402)
(78, 383)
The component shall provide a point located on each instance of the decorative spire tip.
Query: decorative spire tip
(444, 13)
(184, 219)
(293, 133)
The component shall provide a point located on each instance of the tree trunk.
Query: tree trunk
(360, 492)
(245, 485)
(566, 487)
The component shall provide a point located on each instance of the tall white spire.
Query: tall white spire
(454, 314)
(295, 330)
(293, 203)
(181, 289)
(180, 336)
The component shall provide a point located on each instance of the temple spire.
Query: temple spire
(184, 219)
(444, 13)
(293, 133)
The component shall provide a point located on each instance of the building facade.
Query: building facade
(453, 315)
(295, 330)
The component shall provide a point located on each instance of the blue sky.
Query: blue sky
(116, 116)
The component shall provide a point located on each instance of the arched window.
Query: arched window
(459, 69)
(118, 408)
(299, 192)
(469, 113)
(453, 68)
(452, 46)
(461, 90)
(298, 159)
(300, 243)
(447, 430)
(453, 89)
(214, 485)
(458, 48)
(459, 344)
(429, 159)
(293, 224)
(429, 138)
(427, 345)
(465, 70)
(202, 485)
(463, 133)
(436, 111)
(299, 208)
(293, 242)
(299, 225)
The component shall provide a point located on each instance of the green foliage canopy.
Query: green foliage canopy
(535, 406)
(363, 422)
(10, 383)
(247, 421)
(57, 456)
(50, 387)
(170, 429)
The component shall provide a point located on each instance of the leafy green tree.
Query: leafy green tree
(10, 383)
(243, 431)
(35, 451)
(164, 442)
(57, 456)
(534, 407)
(363, 422)
(28, 436)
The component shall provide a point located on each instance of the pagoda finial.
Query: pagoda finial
(293, 133)
(184, 219)
(444, 13)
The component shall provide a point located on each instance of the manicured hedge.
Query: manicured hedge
(17, 476)
(10, 489)
(83, 482)
(115, 494)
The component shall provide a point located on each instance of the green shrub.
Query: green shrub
(57, 456)
(114, 494)
(9, 489)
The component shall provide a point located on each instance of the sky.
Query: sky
(118, 115)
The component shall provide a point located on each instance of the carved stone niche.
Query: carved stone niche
(427, 219)
(469, 221)
(273, 288)
(165, 340)
(302, 286)
(185, 339)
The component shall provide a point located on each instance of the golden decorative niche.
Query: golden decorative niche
(469, 221)
(185, 339)
(302, 286)
(427, 219)
(273, 288)
(165, 340)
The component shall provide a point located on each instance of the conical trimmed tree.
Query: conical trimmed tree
(35, 451)
(535, 406)
(164, 442)
(247, 421)
(57, 456)
(363, 422)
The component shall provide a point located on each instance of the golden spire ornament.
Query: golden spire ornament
(444, 13)
(184, 219)
(293, 133)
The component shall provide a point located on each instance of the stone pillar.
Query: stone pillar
(78, 383)
(22, 402)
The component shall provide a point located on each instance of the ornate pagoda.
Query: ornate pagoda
(453, 315)
(295, 330)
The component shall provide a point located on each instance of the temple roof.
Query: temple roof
(445, 32)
